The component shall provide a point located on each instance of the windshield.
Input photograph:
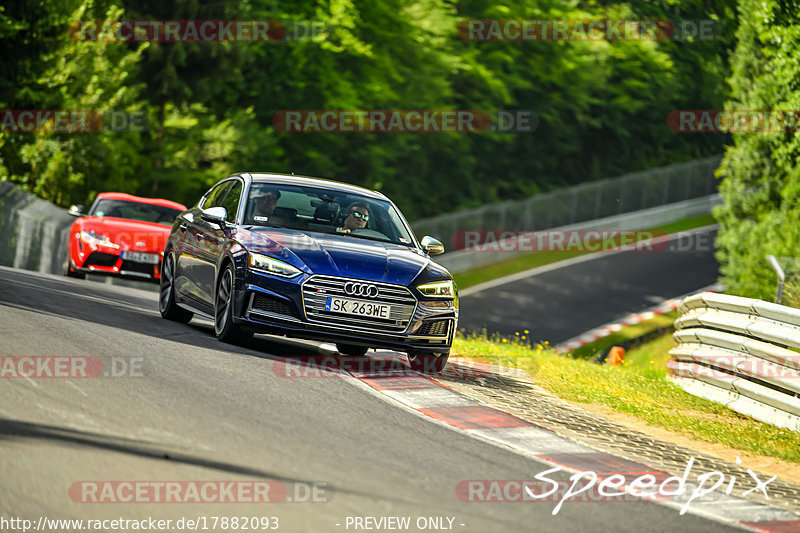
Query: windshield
(325, 211)
(135, 211)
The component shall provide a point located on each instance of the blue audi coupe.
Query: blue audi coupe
(312, 259)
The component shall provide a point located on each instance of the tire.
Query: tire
(428, 363)
(166, 296)
(69, 271)
(351, 349)
(224, 328)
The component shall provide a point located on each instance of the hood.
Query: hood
(129, 234)
(337, 255)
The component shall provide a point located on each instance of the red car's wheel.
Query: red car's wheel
(69, 271)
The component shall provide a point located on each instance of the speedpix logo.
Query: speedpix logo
(590, 486)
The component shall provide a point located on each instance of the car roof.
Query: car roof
(131, 198)
(291, 179)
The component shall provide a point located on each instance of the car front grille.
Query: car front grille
(101, 259)
(435, 328)
(266, 304)
(317, 289)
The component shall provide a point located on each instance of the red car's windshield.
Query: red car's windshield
(134, 211)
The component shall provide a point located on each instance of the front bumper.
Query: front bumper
(107, 260)
(277, 306)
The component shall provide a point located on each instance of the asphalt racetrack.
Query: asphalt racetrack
(564, 302)
(196, 410)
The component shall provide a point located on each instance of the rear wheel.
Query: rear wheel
(69, 271)
(166, 299)
(428, 363)
(351, 349)
(224, 327)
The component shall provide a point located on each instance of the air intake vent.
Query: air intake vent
(267, 304)
(436, 328)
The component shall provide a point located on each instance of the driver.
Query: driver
(357, 217)
(264, 202)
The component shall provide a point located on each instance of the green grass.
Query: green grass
(651, 357)
(627, 333)
(475, 276)
(640, 388)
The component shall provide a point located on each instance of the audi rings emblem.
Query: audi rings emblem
(361, 289)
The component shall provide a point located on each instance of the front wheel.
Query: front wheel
(224, 327)
(166, 297)
(69, 271)
(428, 363)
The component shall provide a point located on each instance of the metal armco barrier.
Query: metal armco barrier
(33, 232)
(582, 203)
(742, 352)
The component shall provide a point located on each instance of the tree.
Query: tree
(761, 179)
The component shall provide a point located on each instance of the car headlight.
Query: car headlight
(91, 237)
(438, 289)
(272, 266)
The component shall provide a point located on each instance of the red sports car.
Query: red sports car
(121, 235)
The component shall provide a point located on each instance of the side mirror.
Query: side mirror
(215, 215)
(431, 246)
(76, 210)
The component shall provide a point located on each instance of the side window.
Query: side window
(214, 197)
(231, 200)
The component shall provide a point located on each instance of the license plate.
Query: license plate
(141, 257)
(357, 307)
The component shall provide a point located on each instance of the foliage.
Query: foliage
(210, 106)
(761, 176)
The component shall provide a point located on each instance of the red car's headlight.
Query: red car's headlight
(91, 237)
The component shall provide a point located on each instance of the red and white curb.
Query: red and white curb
(634, 318)
(431, 399)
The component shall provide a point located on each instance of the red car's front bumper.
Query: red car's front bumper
(100, 258)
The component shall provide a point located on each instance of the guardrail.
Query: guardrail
(33, 232)
(462, 260)
(581, 203)
(741, 352)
